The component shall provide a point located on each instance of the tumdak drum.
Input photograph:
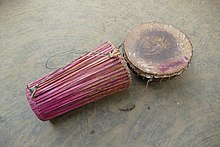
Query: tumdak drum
(157, 51)
(99, 73)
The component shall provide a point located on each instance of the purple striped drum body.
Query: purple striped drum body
(92, 76)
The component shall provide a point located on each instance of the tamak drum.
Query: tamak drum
(157, 51)
(98, 73)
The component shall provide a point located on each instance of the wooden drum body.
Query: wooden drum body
(99, 73)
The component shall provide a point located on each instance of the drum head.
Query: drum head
(156, 50)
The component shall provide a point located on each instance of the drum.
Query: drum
(157, 51)
(92, 76)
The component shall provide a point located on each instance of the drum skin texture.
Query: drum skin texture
(92, 76)
(157, 51)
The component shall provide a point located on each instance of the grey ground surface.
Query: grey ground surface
(182, 112)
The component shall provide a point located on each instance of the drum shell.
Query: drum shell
(85, 80)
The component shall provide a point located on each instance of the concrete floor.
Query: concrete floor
(182, 112)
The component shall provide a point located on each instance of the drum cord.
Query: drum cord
(68, 52)
(148, 81)
(114, 53)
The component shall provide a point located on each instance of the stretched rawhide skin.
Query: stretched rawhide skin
(157, 51)
(99, 73)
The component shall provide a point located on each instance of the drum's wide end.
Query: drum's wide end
(157, 50)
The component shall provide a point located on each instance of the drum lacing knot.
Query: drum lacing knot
(114, 53)
(32, 90)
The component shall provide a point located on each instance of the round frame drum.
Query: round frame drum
(157, 51)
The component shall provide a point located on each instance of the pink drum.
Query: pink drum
(99, 73)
